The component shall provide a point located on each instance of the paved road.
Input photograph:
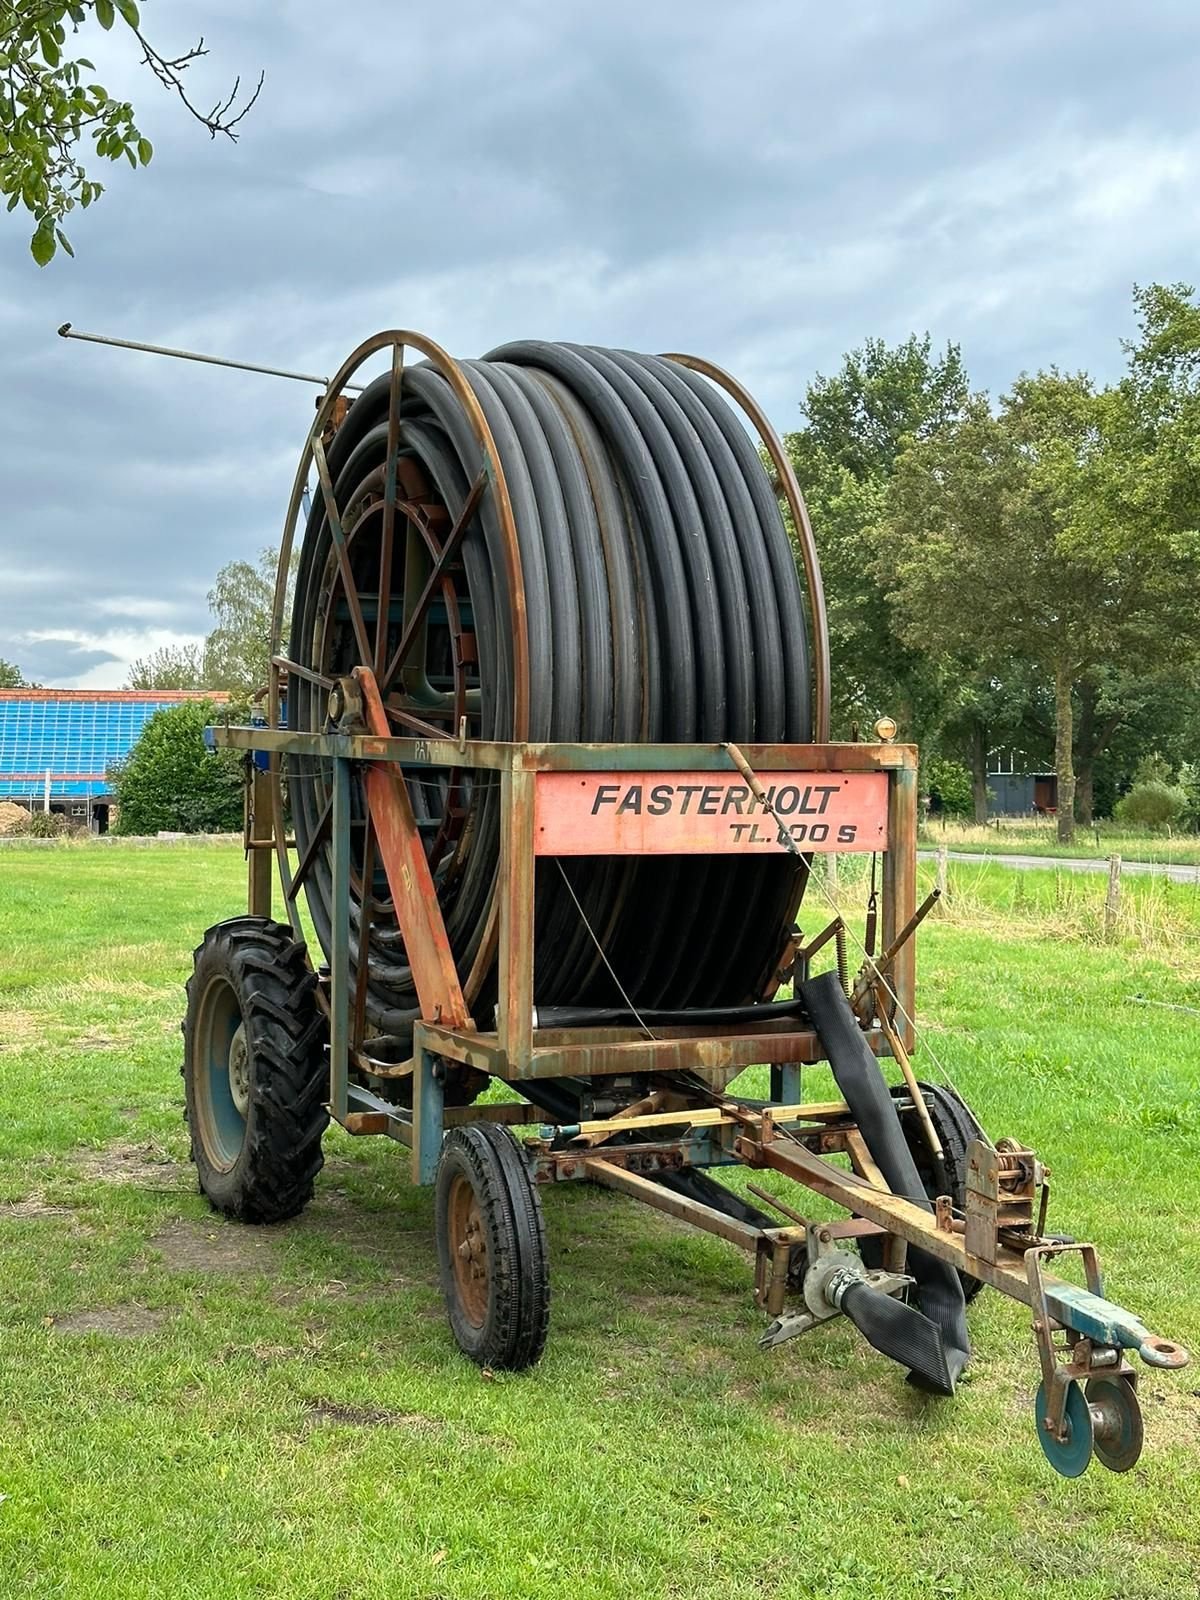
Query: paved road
(1176, 873)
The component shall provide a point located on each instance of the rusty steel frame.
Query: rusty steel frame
(1077, 1330)
(1014, 1268)
(516, 1050)
(788, 1136)
(329, 414)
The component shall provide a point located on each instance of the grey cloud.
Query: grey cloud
(767, 184)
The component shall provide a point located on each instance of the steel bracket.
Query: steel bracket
(830, 1272)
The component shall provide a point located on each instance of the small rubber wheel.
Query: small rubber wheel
(1116, 1421)
(491, 1243)
(956, 1126)
(1069, 1456)
(254, 1070)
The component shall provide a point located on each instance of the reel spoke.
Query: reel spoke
(343, 555)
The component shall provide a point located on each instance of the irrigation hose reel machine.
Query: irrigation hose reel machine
(545, 754)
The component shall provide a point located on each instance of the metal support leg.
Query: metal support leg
(259, 855)
(428, 1106)
(340, 998)
(785, 1084)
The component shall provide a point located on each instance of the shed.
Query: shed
(56, 745)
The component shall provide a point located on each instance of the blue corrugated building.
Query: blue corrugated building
(67, 739)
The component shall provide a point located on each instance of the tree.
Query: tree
(856, 424)
(170, 781)
(11, 676)
(49, 109)
(170, 667)
(1009, 531)
(237, 653)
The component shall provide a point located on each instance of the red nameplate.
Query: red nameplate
(706, 813)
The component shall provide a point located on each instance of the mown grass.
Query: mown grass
(1036, 836)
(196, 1410)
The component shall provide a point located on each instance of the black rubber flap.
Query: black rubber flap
(938, 1290)
(903, 1333)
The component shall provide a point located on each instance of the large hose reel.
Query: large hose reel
(577, 545)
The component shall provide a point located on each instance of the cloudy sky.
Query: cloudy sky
(766, 183)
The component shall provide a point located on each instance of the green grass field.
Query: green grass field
(1019, 836)
(199, 1411)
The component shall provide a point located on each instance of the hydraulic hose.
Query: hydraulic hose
(662, 604)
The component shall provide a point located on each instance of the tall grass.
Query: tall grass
(1037, 836)
(1036, 903)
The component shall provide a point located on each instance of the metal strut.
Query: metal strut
(68, 332)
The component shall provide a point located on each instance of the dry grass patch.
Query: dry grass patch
(334, 1411)
(142, 1165)
(33, 1205)
(118, 1322)
(19, 1029)
(216, 1247)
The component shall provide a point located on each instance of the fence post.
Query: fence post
(1112, 900)
(942, 876)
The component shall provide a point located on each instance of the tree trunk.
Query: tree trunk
(979, 755)
(1064, 756)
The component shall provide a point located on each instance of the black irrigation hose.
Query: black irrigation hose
(612, 1016)
(663, 604)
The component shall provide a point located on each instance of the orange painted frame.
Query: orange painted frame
(706, 813)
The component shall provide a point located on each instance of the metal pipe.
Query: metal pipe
(907, 931)
(900, 1055)
(68, 332)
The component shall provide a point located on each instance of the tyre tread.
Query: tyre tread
(267, 966)
(514, 1332)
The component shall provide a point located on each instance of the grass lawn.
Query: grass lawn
(200, 1411)
(1035, 836)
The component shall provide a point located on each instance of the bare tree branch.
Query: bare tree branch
(169, 71)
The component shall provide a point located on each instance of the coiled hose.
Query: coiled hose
(662, 604)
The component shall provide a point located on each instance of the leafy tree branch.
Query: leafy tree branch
(51, 111)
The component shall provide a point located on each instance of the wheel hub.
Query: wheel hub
(469, 1243)
(239, 1070)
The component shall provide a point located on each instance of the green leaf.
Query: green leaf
(50, 49)
(42, 246)
(145, 150)
(104, 13)
(129, 11)
(64, 241)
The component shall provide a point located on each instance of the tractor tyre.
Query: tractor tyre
(254, 1069)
